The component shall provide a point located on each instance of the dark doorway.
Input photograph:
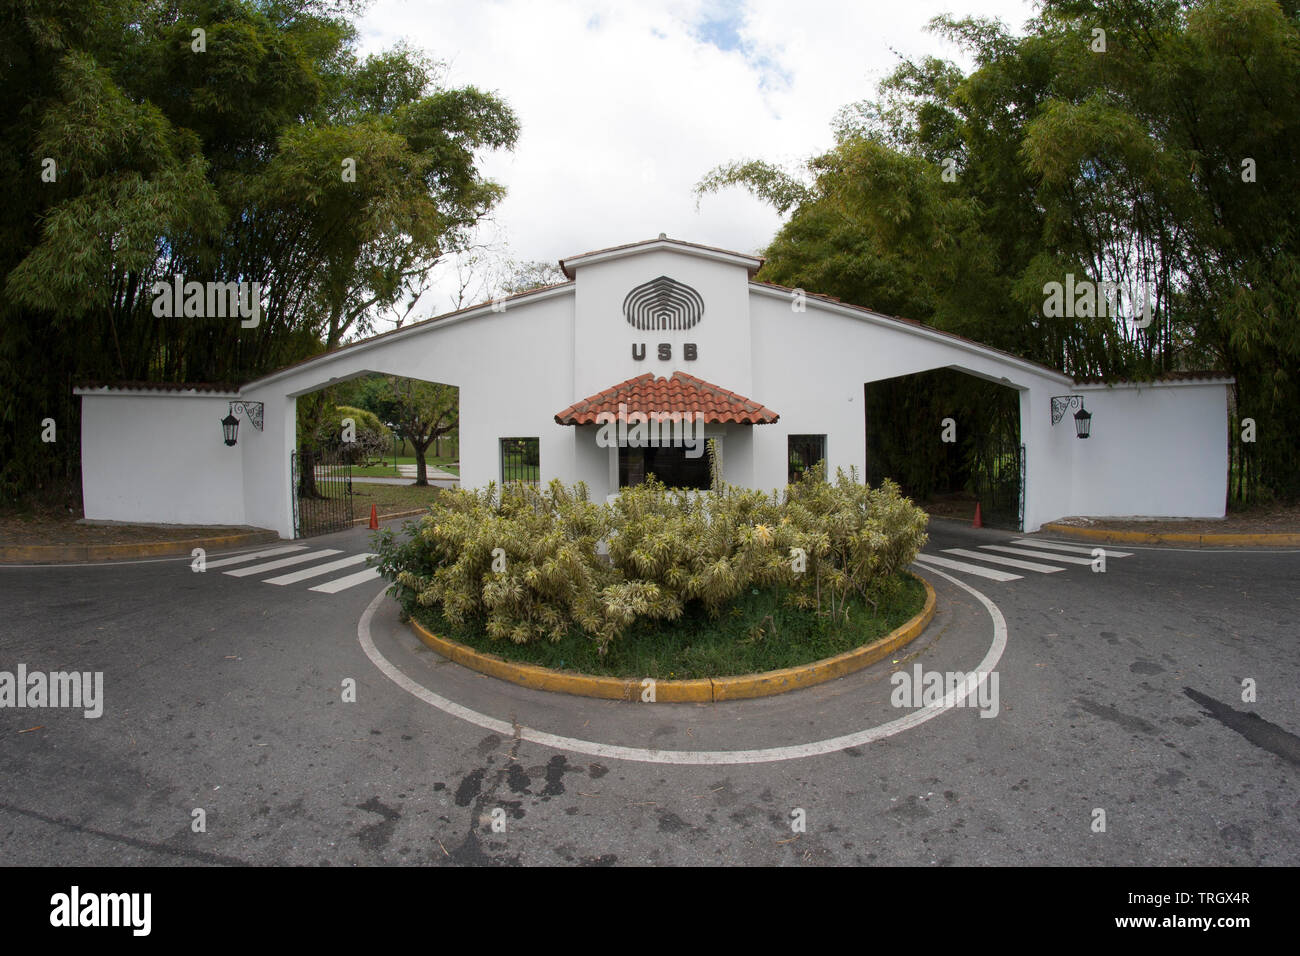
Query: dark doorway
(998, 479)
(909, 421)
(672, 466)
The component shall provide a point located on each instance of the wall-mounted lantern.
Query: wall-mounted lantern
(230, 424)
(1083, 423)
(1082, 418)
(230, 429)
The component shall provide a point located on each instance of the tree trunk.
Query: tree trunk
(421, 469)
(307, 473)
(308, 456)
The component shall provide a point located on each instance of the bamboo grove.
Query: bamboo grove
(231, 141)
(1150, 144)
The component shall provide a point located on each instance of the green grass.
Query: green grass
(758, 633)
(390, 499)
(389, 470)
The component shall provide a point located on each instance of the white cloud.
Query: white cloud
(625, 106)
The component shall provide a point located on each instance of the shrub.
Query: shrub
(856, 537)
(372, 439)
(525, 563)
(522, 560)
(694, 546)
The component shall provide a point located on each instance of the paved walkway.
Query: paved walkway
(438, 477)
(408, 471)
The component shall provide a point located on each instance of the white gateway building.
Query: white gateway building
(671, 336)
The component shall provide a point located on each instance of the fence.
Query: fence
(998, 475)
(322, 492)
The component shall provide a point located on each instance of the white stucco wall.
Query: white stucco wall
(159, 457)
(1158, 450)
(604, 339)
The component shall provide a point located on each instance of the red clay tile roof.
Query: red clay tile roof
(682, 393)
(162, 386)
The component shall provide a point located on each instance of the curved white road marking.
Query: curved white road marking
(696, 757)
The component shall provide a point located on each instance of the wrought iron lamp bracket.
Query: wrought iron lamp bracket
(1062, 404)
(253, 412)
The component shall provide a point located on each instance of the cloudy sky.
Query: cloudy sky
(624, 106)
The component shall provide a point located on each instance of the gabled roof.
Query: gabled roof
(677, 395)
(772, 288)
(481, 310)
(751, 263)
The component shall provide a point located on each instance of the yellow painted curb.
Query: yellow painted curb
(61, 553)
(700, 691)
(1177, 537)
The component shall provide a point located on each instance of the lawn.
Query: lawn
(447, 463)
(390, 499)
(758, 633)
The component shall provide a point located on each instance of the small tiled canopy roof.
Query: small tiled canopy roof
(680, 394)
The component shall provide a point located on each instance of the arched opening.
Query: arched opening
(950, 439)
(374, 439)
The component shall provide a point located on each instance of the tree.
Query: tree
(323, 434)
(528, 274)
(369, 437)
(418, 412)
(1163, 163)
(275, 155)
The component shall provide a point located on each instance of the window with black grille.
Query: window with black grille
(804, 451)
(520, 460)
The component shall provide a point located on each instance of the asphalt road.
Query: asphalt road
(1118, 691)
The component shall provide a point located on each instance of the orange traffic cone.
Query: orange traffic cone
(977, 523)
(374, 519)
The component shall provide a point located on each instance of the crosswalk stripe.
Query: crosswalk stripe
(1022, 553)
(352, 580)
(1008, 562)
(295, 576)
(991, 573)
(1072, 548)
(283, 563)
(240, 558)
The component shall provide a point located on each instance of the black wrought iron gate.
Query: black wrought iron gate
(998, 473)
(322, 492)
